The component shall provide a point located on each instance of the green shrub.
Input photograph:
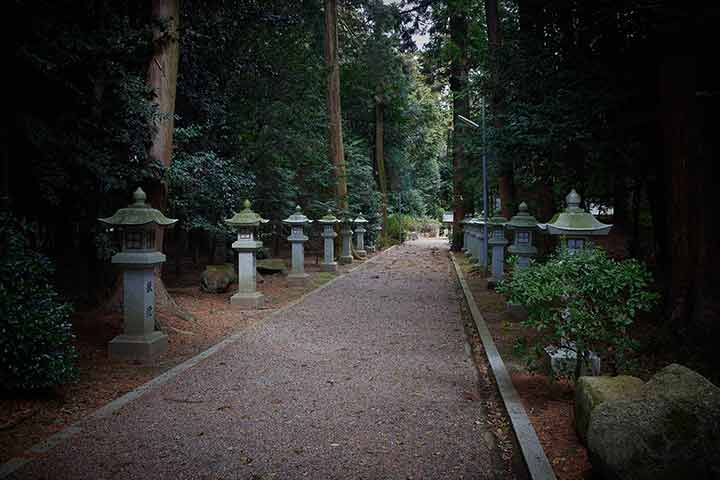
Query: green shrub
(35, 332)
(400, 224)
(583, 297)
(396, 228)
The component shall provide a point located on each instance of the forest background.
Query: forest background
(615, 99)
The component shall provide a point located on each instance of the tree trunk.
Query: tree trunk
(506, 183)
(4, 171)
(677, 90)
(162, 78)
(688, 128)
(336, 149)
(458, 87)
(380, 158)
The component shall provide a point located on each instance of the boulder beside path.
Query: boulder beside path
(217, 278)
(669, 430)
(591, 392)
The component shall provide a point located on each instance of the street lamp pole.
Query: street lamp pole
(484, 257)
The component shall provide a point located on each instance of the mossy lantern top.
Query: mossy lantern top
(497, 220)
(297, 218)
(523, 220)
(497, 223)
(328, 218)
(478, 218)
(137, 223)
(360, 219)
(575, 221)
(245, 218)
(138, 214)
(523, 225)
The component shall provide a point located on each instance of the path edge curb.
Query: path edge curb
(533, 454)
(15, 463)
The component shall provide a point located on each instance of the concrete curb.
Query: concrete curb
(537, 463)
(12, 465)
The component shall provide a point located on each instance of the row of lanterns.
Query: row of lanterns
(139, 257)
(574, 226)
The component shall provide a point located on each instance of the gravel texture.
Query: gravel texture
(369, 378)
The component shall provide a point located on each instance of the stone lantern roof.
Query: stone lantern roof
(523, 220)
(297, 218)
(360, 219)
(575, 220)
(138, 213)
(497, 219)
(329, 218)
(478, 218)
(246, 217)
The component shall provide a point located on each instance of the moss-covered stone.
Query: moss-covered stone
(271, 266)
(217, 278)
(593, 391)
(670, 430)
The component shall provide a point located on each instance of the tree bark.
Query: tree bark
(506, 183)
(461, 106)
(4, 171)
(677, 89)
(336, 149)
(380, 158)
(162, 78)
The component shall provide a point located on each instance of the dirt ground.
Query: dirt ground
(26, 419)
(549, 404)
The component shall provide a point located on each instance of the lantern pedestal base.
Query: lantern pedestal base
(361, 253)
(249, 301)
(138, 347)
(329, 267)
(370, 249)
(298, 279)
(345, 260)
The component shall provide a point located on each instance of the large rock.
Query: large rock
(670, 430)
(217, 278)
(271, 266)
(590, 392)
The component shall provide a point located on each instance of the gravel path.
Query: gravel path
(370, 378)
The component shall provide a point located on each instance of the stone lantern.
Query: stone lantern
(497, 241)
(328, 222)
(374, 228)
(346, 237)
(524, 225)
(478, 238)
(360, 235)
(138, 258)
(575, 226)
(480, 234)
(246, 223)
(470, 237)
(480, 247)
(447, 220)
(372, 248)
(297, 239)
(466, 236)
